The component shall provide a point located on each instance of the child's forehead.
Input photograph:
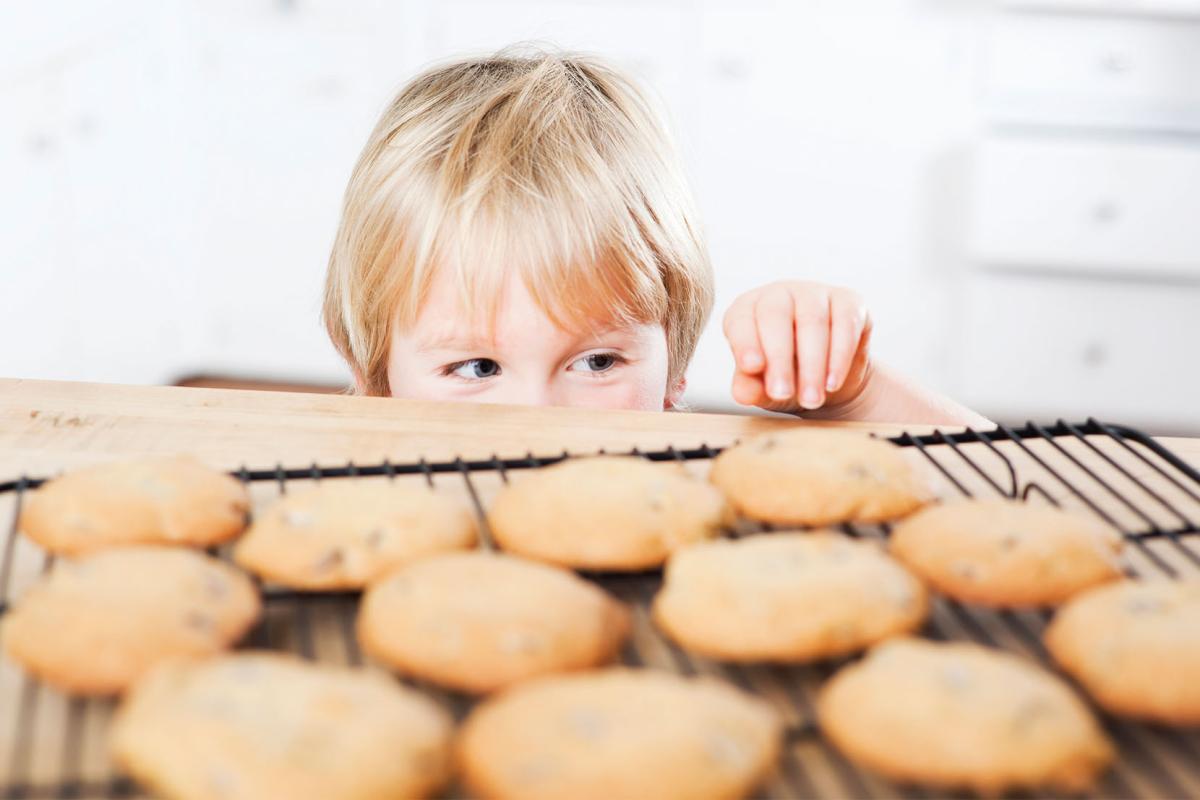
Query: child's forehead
(453, 319)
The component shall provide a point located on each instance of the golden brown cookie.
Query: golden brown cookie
(479, 621)
(1135, 647)
(93, 625)
(344, 534)
(1004, 553)
(957, 715)
(787, 597)
(605, 513)
(619, 733)
(159, 500)
(266, 725)
(818, 476)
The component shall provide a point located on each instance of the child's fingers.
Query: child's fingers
(773, 316)
(748, 389)
(812, 347)
(848, 319)
(742, 334)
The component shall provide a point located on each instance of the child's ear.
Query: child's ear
(675, 394)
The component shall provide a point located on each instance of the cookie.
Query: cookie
(961, 716)
(605, 513)
(161, 500)
(1135, 648)
(266, 725)
(479, 621)
(1006, 554)
(344, 534)
(93, 625)
(787, 597)
(619, 733)
(818, 476)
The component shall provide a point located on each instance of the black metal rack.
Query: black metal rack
(1123, 476)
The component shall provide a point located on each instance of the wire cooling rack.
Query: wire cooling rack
(54, 746)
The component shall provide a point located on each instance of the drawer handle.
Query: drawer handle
(1106, 212)
(731, 68)
(1114, 63)
(1095, 354)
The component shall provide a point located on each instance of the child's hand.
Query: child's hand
(798, 346)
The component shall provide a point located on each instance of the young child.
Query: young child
(518, 230)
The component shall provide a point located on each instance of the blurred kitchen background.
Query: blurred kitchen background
(1014, 186)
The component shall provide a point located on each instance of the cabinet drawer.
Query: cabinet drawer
(1087, 206)
(1165, 8)
(1094, 70)
(1047, 347)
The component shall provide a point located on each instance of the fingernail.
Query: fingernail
(780, 390)
(751, 360)
(831, 383)
(811, 398)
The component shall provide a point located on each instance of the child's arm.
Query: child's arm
(803, 348)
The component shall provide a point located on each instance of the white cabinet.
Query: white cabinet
(1095, 71)
(1164, 8)
(1084, 217)
(1045, 347)
(1089, 206)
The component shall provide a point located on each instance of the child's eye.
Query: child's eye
(597, 363)
(476, 369)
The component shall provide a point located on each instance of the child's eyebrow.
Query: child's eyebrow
(452, 340)
(473, 342)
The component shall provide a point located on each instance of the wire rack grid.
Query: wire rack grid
(55, 746)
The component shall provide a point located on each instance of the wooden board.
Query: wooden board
(45, 737)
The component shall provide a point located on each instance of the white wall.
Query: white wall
(172, 172)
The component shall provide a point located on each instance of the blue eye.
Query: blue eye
(476, 369)
(597, 363)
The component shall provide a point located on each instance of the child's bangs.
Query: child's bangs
(584, 268)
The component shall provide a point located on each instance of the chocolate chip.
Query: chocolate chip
(900, 593)
(215, 586)
(81, 523)
(956, 677)
(794, 560)
(587, 724)
(838, 554)
(723, 749)
(844, 631)
(331, 560)
(1143, 604)
(866, 472)
(375, 538)
(965, 570)
(399, 585)
(198, 621)
(520, 642)
(1029, 713)
(245, 669)
(297, 519)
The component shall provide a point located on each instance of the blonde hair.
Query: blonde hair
(554, 165)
